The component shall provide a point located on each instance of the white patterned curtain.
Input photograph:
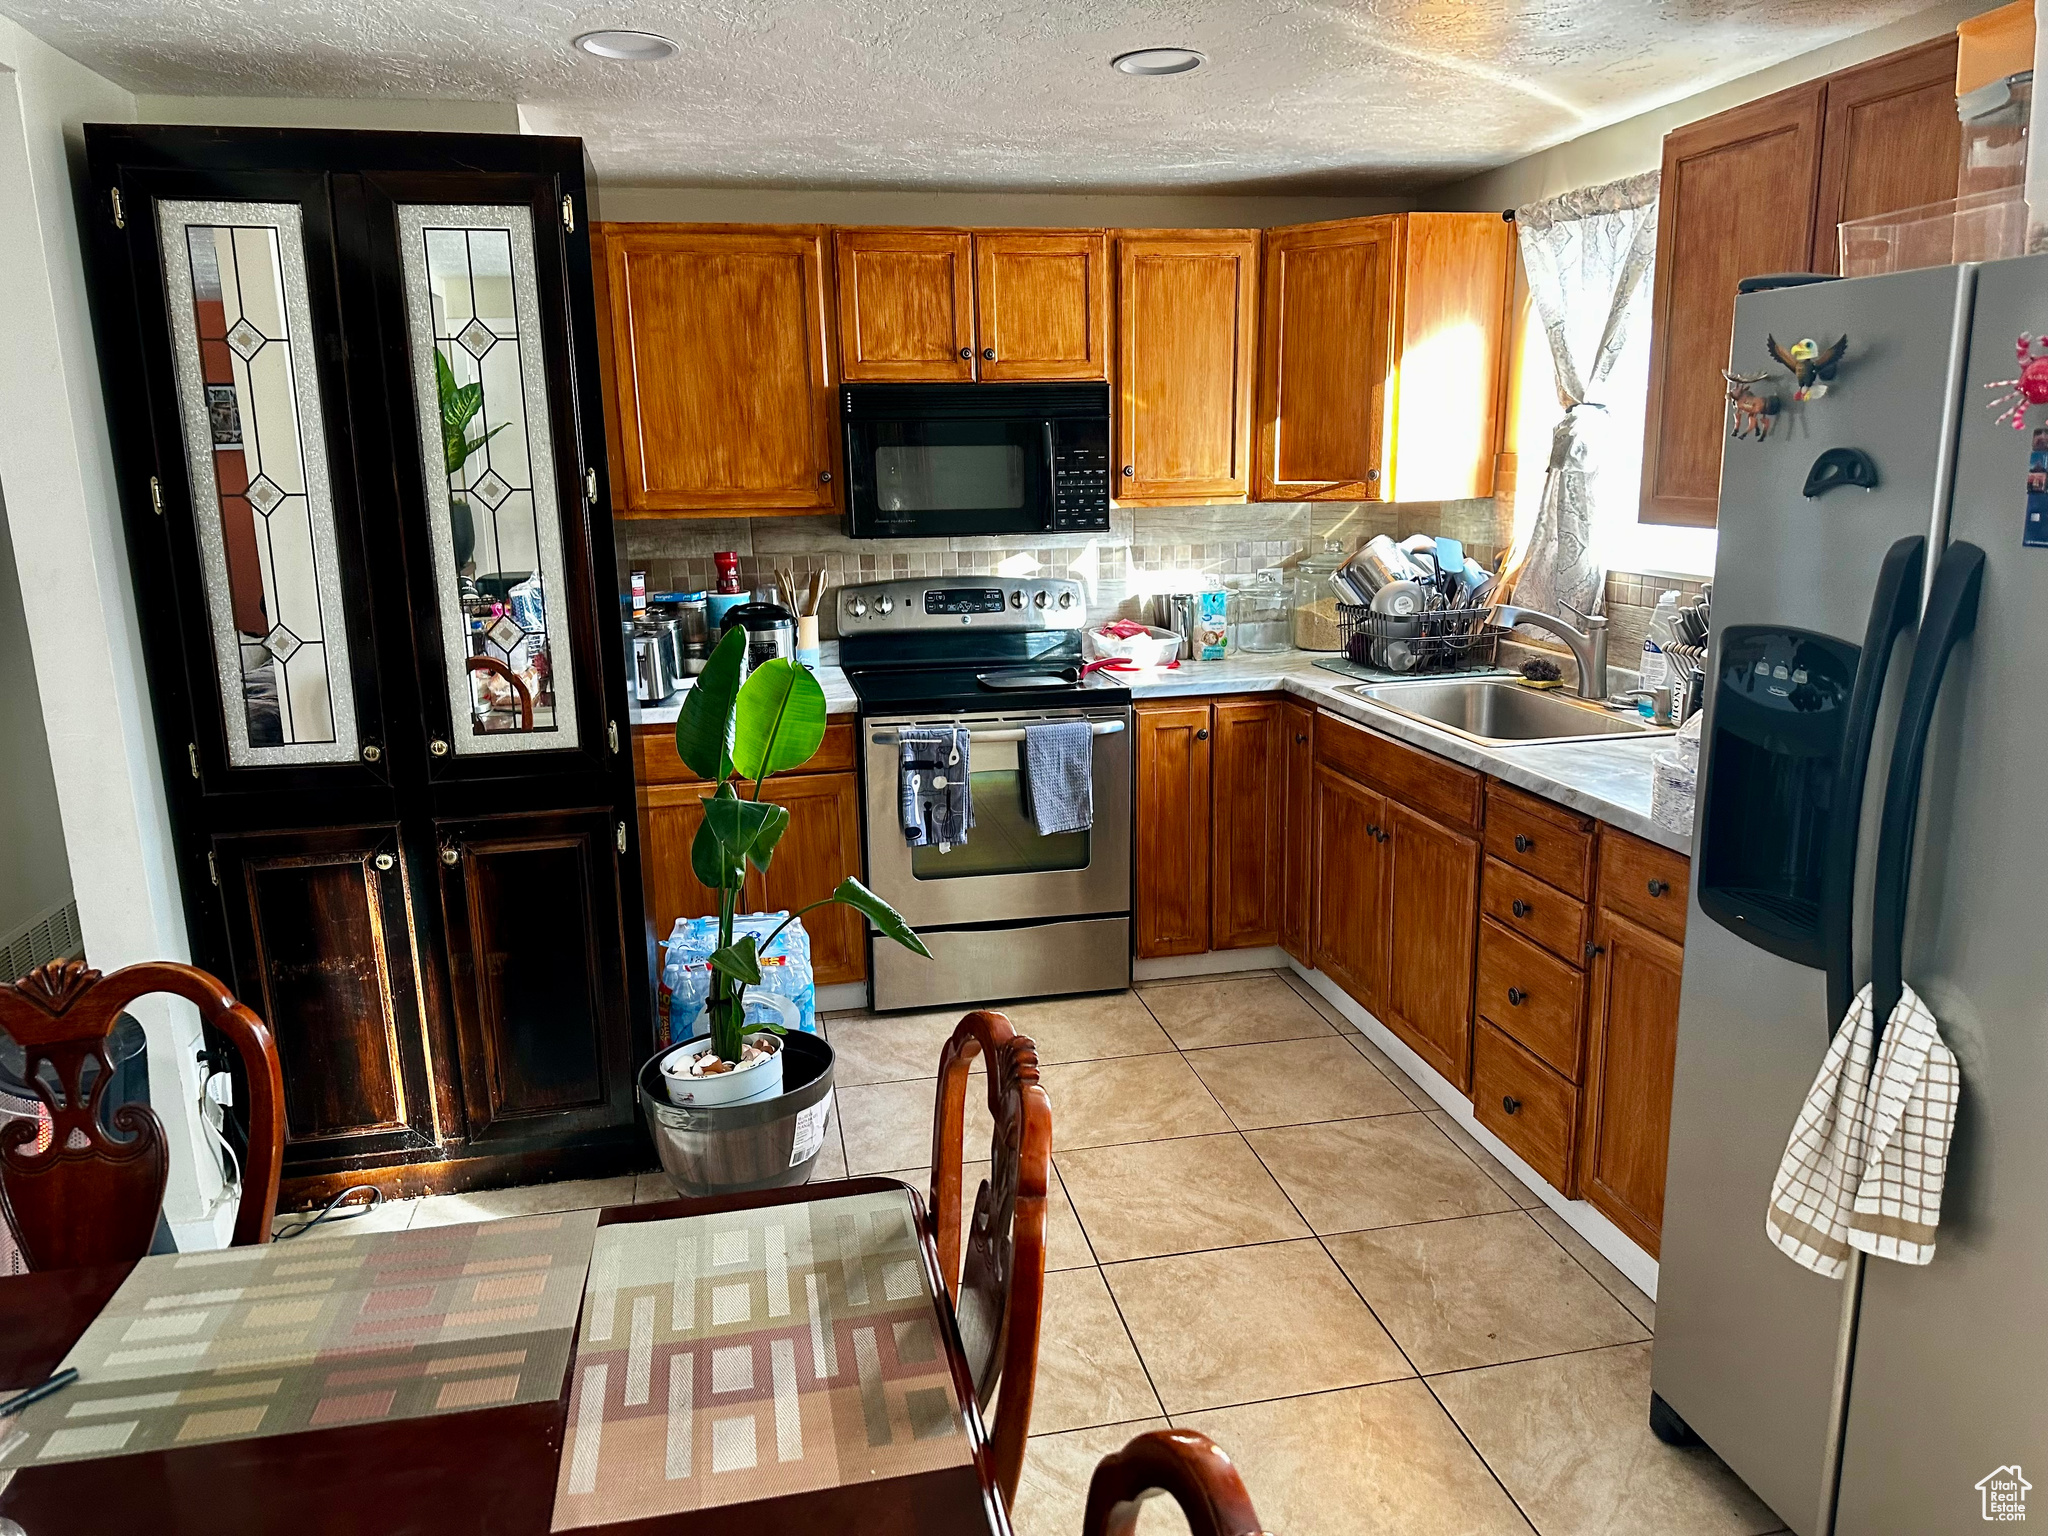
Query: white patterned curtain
(1587, 253)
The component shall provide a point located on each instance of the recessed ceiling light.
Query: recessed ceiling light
(1159, 61)
(633, 47)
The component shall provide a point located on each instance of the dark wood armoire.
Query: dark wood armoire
(354, 393)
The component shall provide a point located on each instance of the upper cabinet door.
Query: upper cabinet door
(1187, 306)
(1324, 354)
(721, 361)
(906, 305)
(1891, 141)
(1042, 304)
(1737, 199)
(1449, 353)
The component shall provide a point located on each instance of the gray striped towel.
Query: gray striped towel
(936, 804)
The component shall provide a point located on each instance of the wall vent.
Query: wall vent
(53, 936)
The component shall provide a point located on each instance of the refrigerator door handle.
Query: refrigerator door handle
(1894, 605)
(1951, 616)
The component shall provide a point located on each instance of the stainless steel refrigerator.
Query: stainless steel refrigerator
(1870, 811)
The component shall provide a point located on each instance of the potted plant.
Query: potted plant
(738, 1106)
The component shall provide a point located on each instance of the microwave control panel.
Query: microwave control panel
(1080, 477)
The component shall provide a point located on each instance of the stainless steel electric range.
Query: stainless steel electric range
(1008, 913)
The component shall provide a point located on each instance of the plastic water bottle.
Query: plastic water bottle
(786, 994)
(1655, 671)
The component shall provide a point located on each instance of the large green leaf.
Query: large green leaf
(704, 728)
(779, 721)
(887, 921)
(736, 822)
(773, 825)
(716, 863)
(739, 961)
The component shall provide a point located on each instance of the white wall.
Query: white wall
(776, 205)
(65, 523)
(35, 876)
(1637, 144)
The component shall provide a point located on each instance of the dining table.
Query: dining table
(784, 1360)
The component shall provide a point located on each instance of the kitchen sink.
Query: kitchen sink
(1497, 712)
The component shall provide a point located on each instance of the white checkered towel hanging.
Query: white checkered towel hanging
(1867, 1157)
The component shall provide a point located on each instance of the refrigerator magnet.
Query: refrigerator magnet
(1752, 413)
(2029, 388)
(1840, 466)
(1811, 367)
(2035, 532)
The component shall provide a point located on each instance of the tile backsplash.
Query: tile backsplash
(1118, 567)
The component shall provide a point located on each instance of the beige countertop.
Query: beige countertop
(1609, 780)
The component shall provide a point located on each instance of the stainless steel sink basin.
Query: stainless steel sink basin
(1497, 712)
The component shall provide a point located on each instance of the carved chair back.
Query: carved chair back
(999, 1288)
(93, 1194)
(1183, 1464)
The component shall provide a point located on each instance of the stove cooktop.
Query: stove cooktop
(960, 690)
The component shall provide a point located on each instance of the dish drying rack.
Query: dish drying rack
(1444, 637)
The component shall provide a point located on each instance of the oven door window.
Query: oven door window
(1003, 840)
(944, 476)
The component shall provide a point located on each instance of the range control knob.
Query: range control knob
(857, 606)
(1066, 599)
(1016, 599)
(885, 605)
(1039, 599)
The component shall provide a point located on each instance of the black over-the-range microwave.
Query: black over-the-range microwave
(935, 460)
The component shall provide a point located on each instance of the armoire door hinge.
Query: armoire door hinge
(611, 736)
(156, 495)
(192, 756)
(569, 213)
(622, 837)
(120, 218)
(590, 486)
(212, 869)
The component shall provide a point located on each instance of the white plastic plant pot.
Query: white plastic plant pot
(758, 1079)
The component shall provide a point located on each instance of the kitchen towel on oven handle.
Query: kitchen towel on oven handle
(1058, 781)
(937, 804)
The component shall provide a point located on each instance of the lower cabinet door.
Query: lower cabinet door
(537, 973)
(1171, 895)
(1629, 1070)
(670, 815)
(1349, 925)
(1249, 791)
(321, 934)
(1296, 856)
(1433, 916)
(821, 848)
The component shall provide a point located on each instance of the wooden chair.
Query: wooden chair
(92, 1197)
(520, 692)
(1188, 1467)
(999, 1292)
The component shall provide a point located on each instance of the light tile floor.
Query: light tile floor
(1263, 1230)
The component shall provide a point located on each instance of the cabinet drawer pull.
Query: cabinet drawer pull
(1521, 907)
(1523, 843)
(1595, 949)
(1510, 1103)
(1384, 834)
(1301, 740)
(1130, 471)
(966, 354)
(1516, 997)
(988, 354)
(450, 854)
(1202, 735)
(1659, 887)
(383, 861)
(824, 477)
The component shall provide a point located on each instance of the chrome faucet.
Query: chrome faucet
(1588, 646)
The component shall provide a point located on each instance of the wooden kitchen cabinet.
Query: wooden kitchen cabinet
(1349, 926)
(906, 304)
(1629, 1073)
(1248, 790)
(1173, 843)
(1297, 831)
(1042, 304)
(821, 847)
(1186, 322)
(720, 357)
(1432, 927)
(1380, 353)
(1760, 189)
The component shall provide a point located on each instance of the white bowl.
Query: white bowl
(760, 1080)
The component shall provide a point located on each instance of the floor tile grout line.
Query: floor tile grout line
(1555, 1354)
(1619, 1300)
(1150, 1385)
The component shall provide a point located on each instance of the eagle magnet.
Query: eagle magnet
(1811, 368)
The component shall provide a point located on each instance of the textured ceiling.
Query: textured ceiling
(1299, 95)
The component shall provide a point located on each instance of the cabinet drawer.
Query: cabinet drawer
(1518, 901)
(1531, 995)
(655, 760)
(1549, 842)
(1525, 1104)
(1440, 790)
(1640, 880)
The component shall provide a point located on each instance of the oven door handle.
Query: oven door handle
(1095, 728)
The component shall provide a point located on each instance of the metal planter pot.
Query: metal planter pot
(730, 1148)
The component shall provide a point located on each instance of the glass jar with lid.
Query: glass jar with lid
(1312, 602)
(1258, 614)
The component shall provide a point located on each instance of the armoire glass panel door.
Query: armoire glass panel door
(255, 450)
(487, 449)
